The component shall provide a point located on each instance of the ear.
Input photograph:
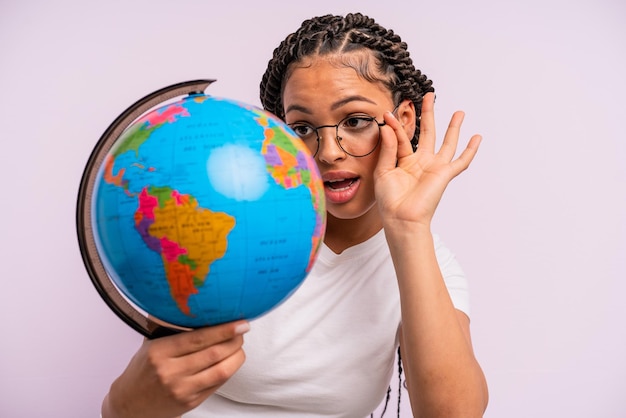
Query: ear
(406, 115)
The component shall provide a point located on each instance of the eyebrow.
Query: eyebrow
(334, 106)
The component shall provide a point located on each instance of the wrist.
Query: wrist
(407, 230)
(111, 407)
(107, 410)
(406, 239)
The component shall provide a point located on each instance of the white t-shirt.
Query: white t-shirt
(329, 350)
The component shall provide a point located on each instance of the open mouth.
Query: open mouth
(341, 190)
(340, 184)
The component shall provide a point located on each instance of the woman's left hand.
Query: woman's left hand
(409, 185)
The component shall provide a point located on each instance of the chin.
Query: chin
(346, 213)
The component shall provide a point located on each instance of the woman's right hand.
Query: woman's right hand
(171, 375)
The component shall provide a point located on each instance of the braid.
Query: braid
(399, 381)
(400, 387)
(338, 35)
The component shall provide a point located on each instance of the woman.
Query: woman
(348, 88)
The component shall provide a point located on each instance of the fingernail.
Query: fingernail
(242, 328)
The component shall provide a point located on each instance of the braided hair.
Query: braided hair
(338, 36)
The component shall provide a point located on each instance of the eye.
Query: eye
(303, 130)
(357, 122)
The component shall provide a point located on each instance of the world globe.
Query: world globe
(195, 210)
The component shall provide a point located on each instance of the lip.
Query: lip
(344, 193)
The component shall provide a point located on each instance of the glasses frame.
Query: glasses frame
(338, 138)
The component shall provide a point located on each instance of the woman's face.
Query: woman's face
(325, 93)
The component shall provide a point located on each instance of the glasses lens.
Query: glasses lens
(358, 135)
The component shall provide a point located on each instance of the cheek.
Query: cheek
(369, 164)
(367, 175)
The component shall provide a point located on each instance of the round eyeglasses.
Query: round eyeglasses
(356, 135)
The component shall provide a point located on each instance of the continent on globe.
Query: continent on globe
(187, 247)
(136, 136)
(287, 164)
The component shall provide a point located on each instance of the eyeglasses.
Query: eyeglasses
(356, 135)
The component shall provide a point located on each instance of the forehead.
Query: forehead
(323, 80)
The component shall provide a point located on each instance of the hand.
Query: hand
(409, 185)
(172, 375)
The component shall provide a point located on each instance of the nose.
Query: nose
(328, 149)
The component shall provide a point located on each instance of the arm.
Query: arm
(172, 375)
(443, 377)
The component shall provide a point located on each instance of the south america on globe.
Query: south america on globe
(206, 210)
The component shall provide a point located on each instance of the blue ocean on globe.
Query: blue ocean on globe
(208, 210)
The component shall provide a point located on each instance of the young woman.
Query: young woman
(348, 88)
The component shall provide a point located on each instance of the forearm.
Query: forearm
(443, 376)
(107, 410)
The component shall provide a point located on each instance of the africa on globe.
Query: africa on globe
(203, 210)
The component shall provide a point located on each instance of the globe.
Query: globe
(198, 210)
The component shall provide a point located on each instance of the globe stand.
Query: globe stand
(147, 326)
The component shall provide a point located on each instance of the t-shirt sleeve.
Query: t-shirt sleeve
(453, 275)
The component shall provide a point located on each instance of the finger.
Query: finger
(427, 136)
(209, 357)
(404, 143)
(206, 382)
(197, 340)
(467, 156)
(451, 139)
(388, 156)
(189, 391)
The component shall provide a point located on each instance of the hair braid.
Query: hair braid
(331, 34)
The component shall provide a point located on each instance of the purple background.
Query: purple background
(537, 221)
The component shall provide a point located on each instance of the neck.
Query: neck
(342, 234)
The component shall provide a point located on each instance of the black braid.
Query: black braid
(399, 381)
(338, 35)
(400, 387)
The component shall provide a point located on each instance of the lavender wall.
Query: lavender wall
(537, 222)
